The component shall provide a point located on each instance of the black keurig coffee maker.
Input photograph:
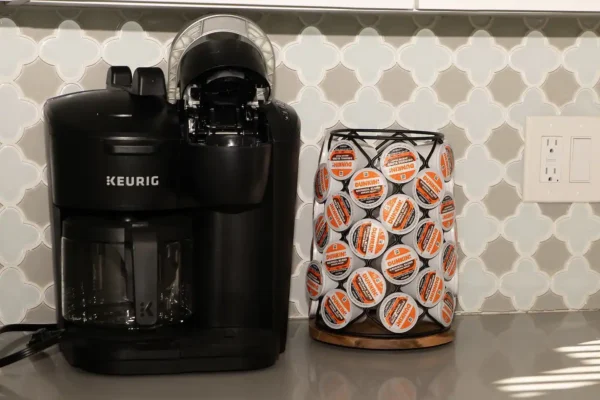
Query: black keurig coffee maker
(173, 209)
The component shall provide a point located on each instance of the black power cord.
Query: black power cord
(44, 336)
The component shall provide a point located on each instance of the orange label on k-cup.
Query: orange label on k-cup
(366, 287)
(321, 232)
(399, 163)
(339, 212)
(338, 259)
(400, 313)
(368, 239)
(400, 263)
(368, 188)
(431, 288)
(448, 306)
(342, 161)
(447, 162)
(449, 261)
(321, 183)
(336, 307)
(429, 239)
(399, 213)
(429, 187)
(314, 281)
(447, 213)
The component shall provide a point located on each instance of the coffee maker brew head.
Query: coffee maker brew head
(221, 71)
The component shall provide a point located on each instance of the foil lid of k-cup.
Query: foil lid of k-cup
(322, 183)
(446, 162)
(337, 310)
(400, 163)
(366, 287)
(428, 238)
(368, 239)
(430, 286)
(314, 280)
(447, 212)
(338, 209)
(321, 232)
(449, 260)
(399, 313)
(448, 306)
(368, 188)
(400, 264)
(428, 189)
(337, 259)
(343, 159)
(399, 214)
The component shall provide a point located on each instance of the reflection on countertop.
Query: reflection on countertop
(546, 356)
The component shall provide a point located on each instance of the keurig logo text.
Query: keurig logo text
(132, 181)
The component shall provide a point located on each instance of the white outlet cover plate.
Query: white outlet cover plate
(563, 191)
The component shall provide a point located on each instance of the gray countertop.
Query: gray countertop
(546, 356)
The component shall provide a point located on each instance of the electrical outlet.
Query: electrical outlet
(550, 156)
(559, 165)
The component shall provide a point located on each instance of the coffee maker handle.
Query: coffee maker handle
(145, 275)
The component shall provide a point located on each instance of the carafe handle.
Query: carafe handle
(145, 275)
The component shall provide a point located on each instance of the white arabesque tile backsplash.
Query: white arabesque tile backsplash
(475, 79)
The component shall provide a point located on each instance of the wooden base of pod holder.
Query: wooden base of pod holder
(369, 335)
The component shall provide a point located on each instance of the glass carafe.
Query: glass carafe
(126, 274)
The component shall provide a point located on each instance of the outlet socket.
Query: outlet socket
(558, 160)
(550, 157)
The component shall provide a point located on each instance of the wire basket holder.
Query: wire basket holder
(368, 331)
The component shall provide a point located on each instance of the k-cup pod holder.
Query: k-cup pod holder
(404, 293)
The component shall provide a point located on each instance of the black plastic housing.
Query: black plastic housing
(240, 200)
(218, 51)
(96, 140)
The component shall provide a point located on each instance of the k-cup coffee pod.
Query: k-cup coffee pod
(339, 261)
(449, 186)
(427, 288)
(427, 189)
(324, 185)
(317, 281)
(342, 212)
(400, 264)
(368, 239)
(452, 284)
(442, 159)
(399, 313)
(443, 312)
(400, 163)
(446, 261)
(399, 214)
(366, 287)
(451, 235)
(322, 233)
(426, 238)
(445, 213)
(337, 310)
(368, 188)
(345, 158)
